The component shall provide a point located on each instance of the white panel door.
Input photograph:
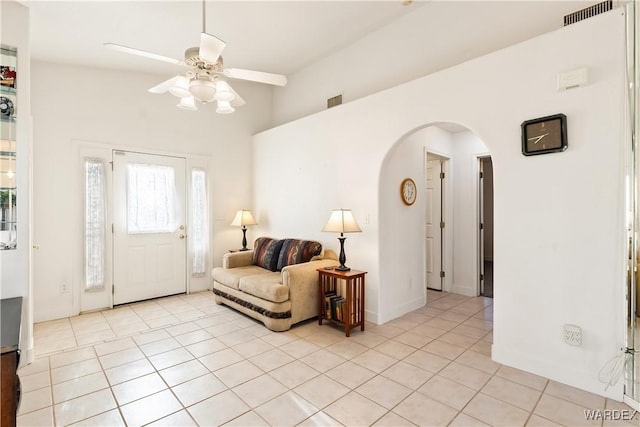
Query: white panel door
(149, 247)
(433, 218)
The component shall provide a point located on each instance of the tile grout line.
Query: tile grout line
(411, 321)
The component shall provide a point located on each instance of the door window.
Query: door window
(150, 199)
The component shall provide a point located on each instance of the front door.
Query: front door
(149, 246)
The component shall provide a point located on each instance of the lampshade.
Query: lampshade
(180, 87)
(187, 103)
(223, 92)
(243, 217)
(342, 221)
(224, 107)
(203, 89)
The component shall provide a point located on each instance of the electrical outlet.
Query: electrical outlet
(64, 287)
(573, 335)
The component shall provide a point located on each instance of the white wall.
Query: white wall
(402, 247)
(561, 253)
(435, 36)
(467, 148)
(73, 106)
(15, 277)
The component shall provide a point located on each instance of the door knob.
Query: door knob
(182, 236)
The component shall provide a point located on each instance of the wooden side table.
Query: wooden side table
(342, 305)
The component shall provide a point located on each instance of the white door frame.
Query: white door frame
(479, 214)
(447, 214)
(104, 299)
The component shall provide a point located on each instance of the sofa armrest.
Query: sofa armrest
(302, 280)
(297, 273)
(237, 259)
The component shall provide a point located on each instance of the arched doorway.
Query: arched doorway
(405, 236)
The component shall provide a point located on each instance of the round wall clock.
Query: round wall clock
(408, 191)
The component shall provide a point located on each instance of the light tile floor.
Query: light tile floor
(185, 361)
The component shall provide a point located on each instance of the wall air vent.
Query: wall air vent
(336, 100)
(588, 12)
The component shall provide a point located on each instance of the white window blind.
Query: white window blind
(199, 229)
(151, 199)
(95, 224)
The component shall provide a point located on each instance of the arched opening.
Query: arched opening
(433, 244)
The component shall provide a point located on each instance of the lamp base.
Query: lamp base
(244, 239)
(243, 249)
(342, 258)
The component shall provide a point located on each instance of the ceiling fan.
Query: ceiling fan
(203, 81)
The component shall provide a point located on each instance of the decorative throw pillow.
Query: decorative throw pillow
(296, 251)
(266, 251)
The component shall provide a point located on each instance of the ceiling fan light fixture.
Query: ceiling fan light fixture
(224, 107)
(223, 92)
(204, 90)
(187, 103)
(180, 87)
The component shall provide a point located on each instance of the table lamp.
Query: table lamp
(242, 219)
(342, 221)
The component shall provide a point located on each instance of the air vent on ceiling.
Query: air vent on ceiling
(588, 12)
(336, 100)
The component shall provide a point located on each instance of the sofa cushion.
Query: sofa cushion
(231, 276)
(265, 286)
(296, 251)
(266, 251)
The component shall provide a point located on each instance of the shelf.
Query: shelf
(11, 119)
(341, 294)
(7, 90)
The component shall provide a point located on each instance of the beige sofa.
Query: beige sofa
(275, 283)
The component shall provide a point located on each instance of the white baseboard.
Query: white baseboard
(565, 374)
(463, 290)
(632, 403)
(402, 309)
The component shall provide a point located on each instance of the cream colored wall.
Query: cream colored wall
(73, 106)
(543, 205)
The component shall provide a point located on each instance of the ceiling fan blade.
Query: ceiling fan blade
(256, 76)
(165, 85)
(237, 99)
(211, 47)
(143, 53)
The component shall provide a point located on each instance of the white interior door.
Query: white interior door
(433, 220)
(149, 226)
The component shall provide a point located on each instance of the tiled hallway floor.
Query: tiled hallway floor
(185, 361)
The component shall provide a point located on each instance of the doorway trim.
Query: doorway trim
(447, 215)
(480, 223)
(103, 299)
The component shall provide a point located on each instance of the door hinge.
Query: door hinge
(113, 289)
(441, 175)
(111, 163)
(442, 274)
(441, 224)
(112, 229)
(481, 174)
(482, 277)
(481, 226)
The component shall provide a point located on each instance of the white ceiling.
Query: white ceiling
(273, 36)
